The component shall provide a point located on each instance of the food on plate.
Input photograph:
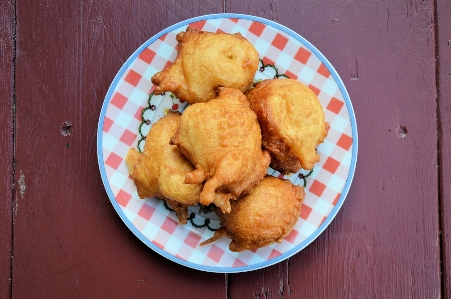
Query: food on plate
(263, 217)
(222, 139)
(131, 159)
(292, 122)
(160, 170)
(206, 60)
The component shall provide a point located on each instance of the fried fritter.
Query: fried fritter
(161, 169)
(206, 60)
(263, 217)
(222, 139)
(292, 123)
(131, 159)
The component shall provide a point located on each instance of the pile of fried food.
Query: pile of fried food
(218, 151)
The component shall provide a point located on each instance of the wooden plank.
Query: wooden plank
(69, 241)
(384, 242)
(6, 144)
(444, 135)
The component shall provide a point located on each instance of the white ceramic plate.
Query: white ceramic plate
(149, 219)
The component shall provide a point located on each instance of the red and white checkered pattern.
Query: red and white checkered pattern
(150, 217)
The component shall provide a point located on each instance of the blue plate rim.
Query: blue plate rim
(285, 255)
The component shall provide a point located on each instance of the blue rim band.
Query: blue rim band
(285, 255)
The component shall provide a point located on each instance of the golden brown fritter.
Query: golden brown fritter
(131, 159)
(161, 169)
(292, 122)
(263, 217)
(206, 60)
(222, 139)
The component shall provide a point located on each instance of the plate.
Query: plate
(121, 126)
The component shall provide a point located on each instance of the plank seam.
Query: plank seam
(13, 135)
(226, 282)
(439, 155)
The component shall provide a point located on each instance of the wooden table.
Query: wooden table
(60, 236)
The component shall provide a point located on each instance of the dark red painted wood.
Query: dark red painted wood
(384, 243)
(444, 97)
(6, 144)
(68, 240)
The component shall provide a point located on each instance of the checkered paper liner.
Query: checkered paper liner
(155, 225)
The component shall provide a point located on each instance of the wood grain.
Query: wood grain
(68, 240)
(6, 144)
(444, 135)
(384, 243)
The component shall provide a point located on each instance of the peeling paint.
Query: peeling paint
(66, 128)
(22, 185)
(402, 132)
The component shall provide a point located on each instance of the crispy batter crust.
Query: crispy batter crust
(160, 171)
(206, 60)
(292, 123)
(222, 139)
(263, 217)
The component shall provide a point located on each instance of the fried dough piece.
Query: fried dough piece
(292, 122)
(206, 60)
(131, 159)
(263, 217)
(161, 169)
(222, 139)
